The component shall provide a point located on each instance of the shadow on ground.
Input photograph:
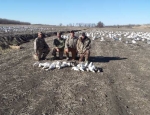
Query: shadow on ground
(95, 59)
(104, 59)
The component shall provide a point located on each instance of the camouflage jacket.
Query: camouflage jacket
(39, 44)
(84, 45)
(71, 42)
(59, 43)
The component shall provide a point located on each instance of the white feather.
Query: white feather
(75, 68)
(86, 64)
(133, 41)
(36, 64)
(90, 65)
(46, 65)
(52, 66)
(64, 64)
(58, 64)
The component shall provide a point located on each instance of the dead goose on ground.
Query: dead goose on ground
(36, 64)
(52, 66)
(58, 65)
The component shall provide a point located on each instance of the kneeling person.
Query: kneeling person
(41, 49)
(59, 44)
(70, 46)
(83, 47)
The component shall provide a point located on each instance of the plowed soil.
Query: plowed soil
(123, 88)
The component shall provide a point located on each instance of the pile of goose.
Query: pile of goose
(89, 67)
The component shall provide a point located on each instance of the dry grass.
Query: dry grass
(15, 47)
(122, 89)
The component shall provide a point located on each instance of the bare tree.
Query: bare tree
(82, 24)
(100, 24)
(60, 24)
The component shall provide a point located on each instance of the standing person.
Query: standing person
(59, 44)
(41, 49)
(83, 47)
(70, 46)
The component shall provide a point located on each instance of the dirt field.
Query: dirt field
(121, 89)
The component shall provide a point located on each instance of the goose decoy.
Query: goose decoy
(148, 41)
(133, 42)
(120, 39)
(127, 42)
(102, 39)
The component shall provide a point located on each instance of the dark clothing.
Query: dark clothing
(42, 53)
(83, 45)
(40, 44)
(61, 52)
(59, 43)
(41, 49)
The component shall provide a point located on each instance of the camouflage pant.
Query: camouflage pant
(86, 55)
(42, 53)
(73, 52)
(61, 52)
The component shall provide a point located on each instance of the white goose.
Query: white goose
(75, 68)
(36, 64)
(133, 42)
(58, 65)
(127, 42)
(52, 66)
(82, 67)
(43, 64)
(64, 64)
(102, 39)
(91, 67)
(148, 41)
(86, 64)
(46, 65)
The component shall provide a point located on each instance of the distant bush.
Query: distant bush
(100, 24)
(7, 21)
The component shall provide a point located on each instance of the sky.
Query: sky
(54, 12)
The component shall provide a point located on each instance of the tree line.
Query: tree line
(126, 26)
(99, 24)
(7, 21)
